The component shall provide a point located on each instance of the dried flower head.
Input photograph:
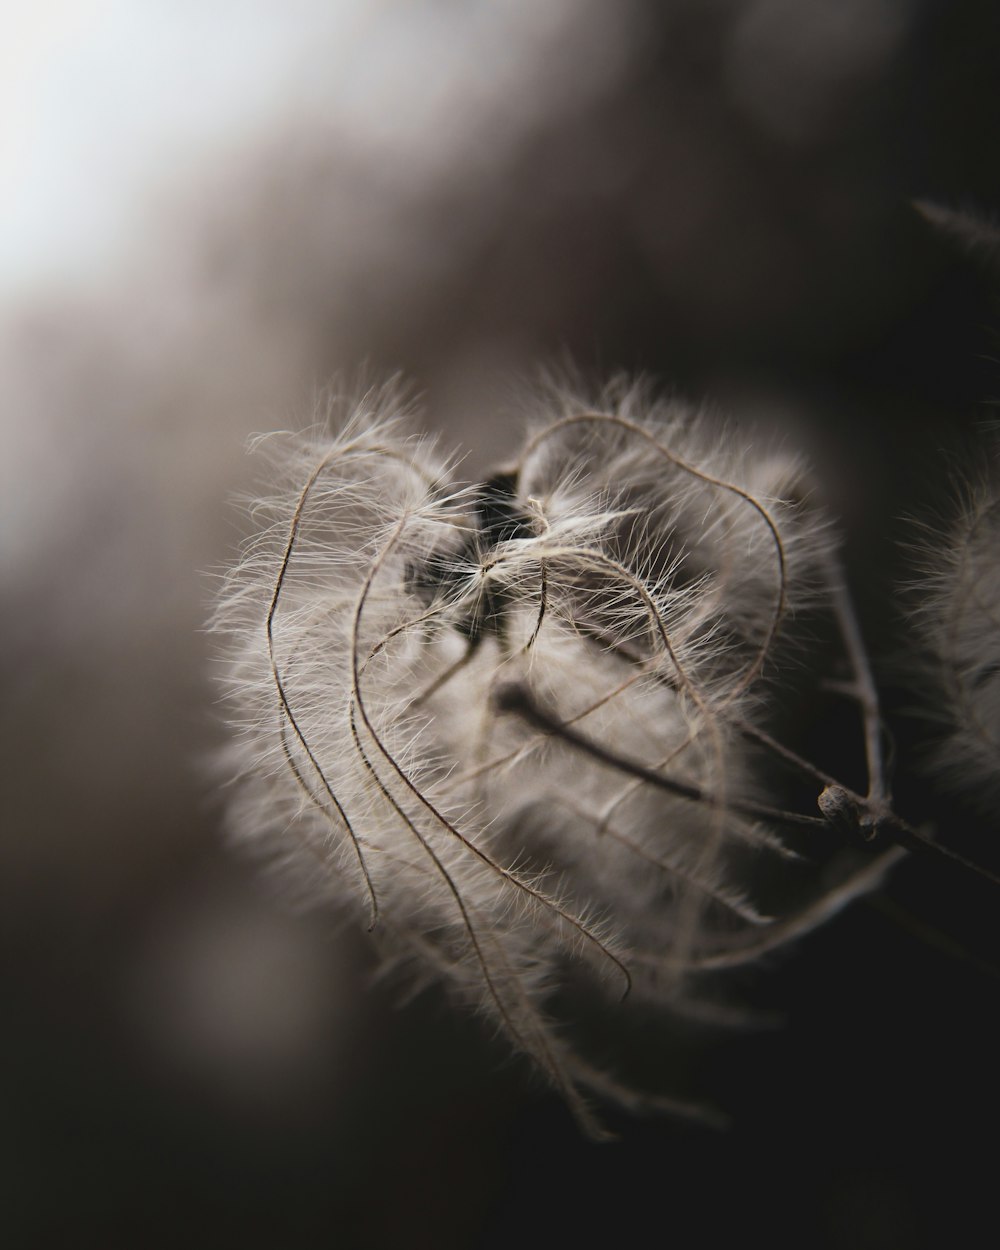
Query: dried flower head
(511, 723)
(958, 613)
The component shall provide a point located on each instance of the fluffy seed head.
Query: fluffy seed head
(958, 614)
(505, 722)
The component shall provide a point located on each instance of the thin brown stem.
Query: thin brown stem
(778, 935)
(542, 601)
(514, 698)
(865, 691)
(737, 906)
(283, 695)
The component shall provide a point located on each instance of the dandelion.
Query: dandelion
(515, 726)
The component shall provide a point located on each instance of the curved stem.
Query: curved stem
(514, 697)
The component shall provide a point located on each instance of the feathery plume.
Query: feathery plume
(958, 613)
(510, 723)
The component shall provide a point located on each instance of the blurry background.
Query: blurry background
(210, 210)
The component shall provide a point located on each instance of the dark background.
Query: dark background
(720, 195)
